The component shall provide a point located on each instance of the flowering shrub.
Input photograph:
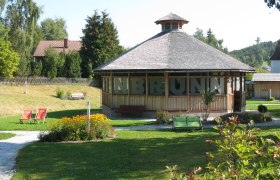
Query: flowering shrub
(75, 128)
(240, 155)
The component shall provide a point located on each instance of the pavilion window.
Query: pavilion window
(120, 85)
(105, 84)
(167, 26)
(217, 84)
(177, 86)
(137, 86)
(197, 85)
(175, 25)
(156, 86)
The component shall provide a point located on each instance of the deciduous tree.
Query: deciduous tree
(273, 3)
(9, 59)
(54, 29)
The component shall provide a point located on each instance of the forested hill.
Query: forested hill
(255, 55)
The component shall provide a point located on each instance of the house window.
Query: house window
(177, 86)
(120, 85)
(137, 86)
(156, 86)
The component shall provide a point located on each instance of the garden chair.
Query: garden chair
(41, 115)
(26, 115)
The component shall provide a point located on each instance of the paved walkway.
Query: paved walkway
(10, 147)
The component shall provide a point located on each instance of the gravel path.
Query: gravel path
(9, 149)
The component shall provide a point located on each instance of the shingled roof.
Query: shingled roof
(174, 51)
(266, 77)
(276, 55)
(58, 46)
(171, 17)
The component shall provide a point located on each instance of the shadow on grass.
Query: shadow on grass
(70, 113)
(133, 155)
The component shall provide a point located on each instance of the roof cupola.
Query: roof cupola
(171, 22)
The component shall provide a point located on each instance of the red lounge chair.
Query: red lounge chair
(41, 115)
(26, 115)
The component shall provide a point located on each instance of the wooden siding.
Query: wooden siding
(172, 103)
(262, 89)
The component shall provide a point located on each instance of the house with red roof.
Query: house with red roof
(59, 46)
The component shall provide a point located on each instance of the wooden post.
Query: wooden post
(147, 88)
(112, 89)
(166, 90)
(188, 91)
(128, 89)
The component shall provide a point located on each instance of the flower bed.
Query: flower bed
(75, 129)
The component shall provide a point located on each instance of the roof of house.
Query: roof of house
(174, 51)
(57, 45)
(171, 17)
(266, 77)
(276, 55)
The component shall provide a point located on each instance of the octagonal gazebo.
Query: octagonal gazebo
(170, 71)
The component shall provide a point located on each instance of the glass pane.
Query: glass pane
(197, 85)
(156, 86)
(177, 86)
(137, 86)
(120, 85)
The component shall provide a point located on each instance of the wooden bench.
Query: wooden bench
(189, 122)
(77, 96)
(133, 110)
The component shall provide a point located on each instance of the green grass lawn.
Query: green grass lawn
(272, 106)
(6, 136)
(132, 155)
(12, 122)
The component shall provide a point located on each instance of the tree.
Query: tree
(72, 65)
(54, 29)
(53, 64)
(273, 3)
(3, 31)
(100, 42)
(9, 59)
(21, 17)
(207, 98)
(199, 35)
(210, 39)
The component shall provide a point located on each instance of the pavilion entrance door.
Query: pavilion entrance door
(237, 101)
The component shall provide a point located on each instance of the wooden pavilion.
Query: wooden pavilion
(170, 71)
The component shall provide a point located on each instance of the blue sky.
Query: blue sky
(238, 22)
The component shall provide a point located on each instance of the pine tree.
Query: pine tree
(100, 42)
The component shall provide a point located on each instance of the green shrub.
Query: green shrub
(240, 155)
(75, 129)
(162, 117)
(68, 94)
(246, 117)
(262, 108)
(271, 98)
(59, 93)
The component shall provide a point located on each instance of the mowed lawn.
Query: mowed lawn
(14, 100)
(272, 106)
(131, 155)
(6, 136)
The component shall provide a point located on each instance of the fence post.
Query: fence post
(88, 115)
